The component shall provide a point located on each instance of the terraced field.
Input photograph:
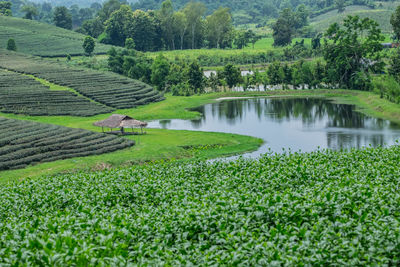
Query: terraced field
(21, 94)
(42, 39)
(112, 90)
(24, 143)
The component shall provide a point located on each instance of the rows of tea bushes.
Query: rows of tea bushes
(42, 39)
(317, 209)
(24, 143)
(107, 88)
(21, 94)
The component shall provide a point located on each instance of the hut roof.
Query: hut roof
(117, 121)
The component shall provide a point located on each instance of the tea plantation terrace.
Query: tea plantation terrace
(21, 94)
(109, 89)
(24, 143)
(42, 39)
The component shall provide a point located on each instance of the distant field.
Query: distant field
(23, 143)
(380, 15)
(43, 39)
(263, 52)
(112, 90)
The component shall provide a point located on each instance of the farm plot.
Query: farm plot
(42, 39)
(25, 143)
(316, 209)
(109, 89)
(20, 94)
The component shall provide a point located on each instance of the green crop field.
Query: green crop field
(21, 94)
(112, 90)
(43, 39)
(319, 209)
(380, 15)
(24, 143)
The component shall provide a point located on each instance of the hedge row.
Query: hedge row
(21, 94)
(25, 143)
(109, 89)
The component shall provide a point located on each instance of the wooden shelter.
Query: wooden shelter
(122, 122)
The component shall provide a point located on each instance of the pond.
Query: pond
(299, 124)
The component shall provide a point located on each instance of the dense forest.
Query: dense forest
(243, 12)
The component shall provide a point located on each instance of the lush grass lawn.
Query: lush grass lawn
(167, 144)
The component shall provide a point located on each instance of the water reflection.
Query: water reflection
(298, 124)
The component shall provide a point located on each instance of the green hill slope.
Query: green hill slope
(380, 15)
(41, 39)
(23, 143)
(109, 89)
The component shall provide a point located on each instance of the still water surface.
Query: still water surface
(297, 124)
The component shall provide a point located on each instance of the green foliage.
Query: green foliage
(284, 28)
(322, 208)
(23, 143)
(387, 87)
(232, 75)
(62, 18)
(5, 8)
(159, 72)
(394, 64)
(395, 22)
(109, 89)
(42, 39)
(89, 45)
(30, 11)
(196, 78)
(11, 45)
(353, 52)
(129, 43)
(219, 28)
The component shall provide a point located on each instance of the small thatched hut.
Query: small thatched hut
(122, 122)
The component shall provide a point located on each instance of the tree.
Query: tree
(194, 12)
(88, 45)
(219, 25)
(5, 8)
(93, 27)
(168, 26)
(62, 18)
(395, 21)
(11, 45)
(118, 25)
(145, 30)
(284, 28)
(232, 75)
(108, 8)
(394, 65)
(30, 11)
(353, 51)
(129, 43)
(181, 23)
(340, 5)
(159, 72)
(196, 78)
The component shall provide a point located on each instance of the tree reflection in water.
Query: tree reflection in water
(296, 123)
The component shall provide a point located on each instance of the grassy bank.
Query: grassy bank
(167, 144)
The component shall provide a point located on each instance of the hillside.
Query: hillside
(380, 15)
(108, 89)
(41, 39)
(24, 143)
